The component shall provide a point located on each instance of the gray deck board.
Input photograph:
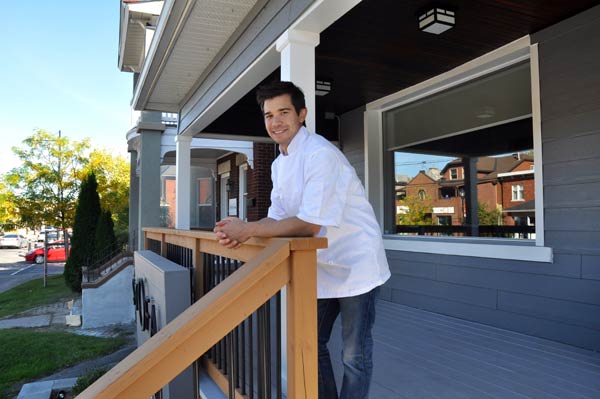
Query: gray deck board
(420, 354)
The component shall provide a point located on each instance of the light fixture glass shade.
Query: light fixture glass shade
(436, 21)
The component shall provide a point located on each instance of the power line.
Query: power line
(422, 162)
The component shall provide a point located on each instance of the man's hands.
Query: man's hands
(232, 232)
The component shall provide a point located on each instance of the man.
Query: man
(316, 193)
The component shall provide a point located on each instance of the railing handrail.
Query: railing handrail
(177, 345)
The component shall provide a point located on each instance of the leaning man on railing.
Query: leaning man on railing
(316, 193)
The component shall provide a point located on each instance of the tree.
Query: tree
(417, 211)
(105, 240)
(9, 214)
(486, 217)
(44, 187)
(112, 175)
(83, 240)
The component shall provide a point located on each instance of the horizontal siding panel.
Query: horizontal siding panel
(549, 329)
(569, 289)
(567, 66)
(572, 219)
(590, 267)
(570, 126)
(580, 314)
(412, 268)
(566, 265)
(454, 292)
(572, 172)
(572, 195)
(572, 148)
(587, 242)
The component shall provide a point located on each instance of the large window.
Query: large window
(205, 202)
(483, 129)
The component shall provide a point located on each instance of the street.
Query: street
(14, 270)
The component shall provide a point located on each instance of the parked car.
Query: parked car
(52, 235)
(13, 240)
(56, 253)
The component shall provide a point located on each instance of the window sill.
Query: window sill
(523, 250)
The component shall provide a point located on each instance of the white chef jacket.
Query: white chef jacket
(316, 183)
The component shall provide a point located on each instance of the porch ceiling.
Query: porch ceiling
(201, 31)
(376, 49)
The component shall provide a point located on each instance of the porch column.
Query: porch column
(134, 198)
(182, 181)
(471, 200)
(297, 50)
(150, 129)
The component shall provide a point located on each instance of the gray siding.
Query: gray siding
(558, 301)
(353, 140)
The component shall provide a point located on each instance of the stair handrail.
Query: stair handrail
(270, 264)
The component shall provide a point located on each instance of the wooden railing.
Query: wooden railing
(269, 265)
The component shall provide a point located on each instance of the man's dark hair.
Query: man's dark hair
(278, 88)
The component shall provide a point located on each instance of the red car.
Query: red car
(56, 253)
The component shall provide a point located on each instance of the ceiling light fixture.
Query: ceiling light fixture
(322, 88)
(436, 21)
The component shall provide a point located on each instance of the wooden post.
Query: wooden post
(302, 326)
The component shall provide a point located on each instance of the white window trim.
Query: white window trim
(224, 201)
(243, 193)
(510, 54)
(516, 189)
(454, 177)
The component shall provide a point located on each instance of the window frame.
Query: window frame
(455, 170)
(375, 177)
(517, 192)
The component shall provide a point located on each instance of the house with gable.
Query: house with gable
(470, 81)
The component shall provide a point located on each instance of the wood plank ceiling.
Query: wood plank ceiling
(376, 49)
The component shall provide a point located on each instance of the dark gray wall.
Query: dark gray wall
(353, 140)
(558, 301)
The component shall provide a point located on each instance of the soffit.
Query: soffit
(205, 30)
(135, 17)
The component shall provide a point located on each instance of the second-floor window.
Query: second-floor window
(422, 194)
(453, 174)
(518, 192)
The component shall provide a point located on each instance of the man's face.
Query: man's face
(281, 120)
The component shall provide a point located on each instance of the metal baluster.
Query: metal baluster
(251, 356)
(260, 359)
(268, 361)
(278, 344)
(231, 366)
(243, 362)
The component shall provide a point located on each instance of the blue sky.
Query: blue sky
(58, 71)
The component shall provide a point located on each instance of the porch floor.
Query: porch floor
(419, 354)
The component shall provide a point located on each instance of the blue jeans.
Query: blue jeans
(358, 316)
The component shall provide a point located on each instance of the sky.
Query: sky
(58, 71)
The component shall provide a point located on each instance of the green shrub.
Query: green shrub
(86, 380)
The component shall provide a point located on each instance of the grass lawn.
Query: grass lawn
(32, 294)
(26, 355)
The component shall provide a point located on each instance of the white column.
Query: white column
(182, 188)
(297, 50)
